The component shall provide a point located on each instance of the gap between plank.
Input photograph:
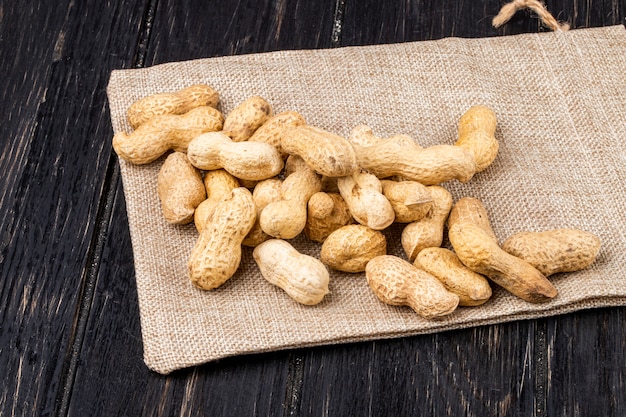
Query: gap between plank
(335, 38)
(541, 369)
(88, 280)
(144, 34)
(98, 241)
(293, 388)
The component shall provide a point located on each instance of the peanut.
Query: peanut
(286, 218)
(428, 231)
(481, 253)
(264, 193)
(554, 251)
(326, 212)
(244, 160)
(326, 153)
(178, 102)
(351, 247)
(362, 193)
(397, 156)
(304, 278)
(249, 184)
(218, 184)
(273, 129)
(180, 189)
(472, 288)
(363, 135)
(399, 283)
(246, 118)
(477, 118)
(470, 209)
(411, 201)
(477, 127)
(217, 254)
(166, 132)
(294, 163)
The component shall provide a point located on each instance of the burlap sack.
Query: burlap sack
(560, 99)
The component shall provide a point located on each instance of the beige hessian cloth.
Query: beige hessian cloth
(560, 99)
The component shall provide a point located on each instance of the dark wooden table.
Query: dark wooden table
(70, 341)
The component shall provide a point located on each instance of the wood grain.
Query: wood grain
(54, 160)
(70, 339)
(369, 22)
(252, 385)
(112, 379)
(587, 357)
(426, 375)
(193, 29)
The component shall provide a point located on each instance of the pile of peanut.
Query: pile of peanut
(258, 179)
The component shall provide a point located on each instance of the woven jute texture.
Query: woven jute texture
(560, 99)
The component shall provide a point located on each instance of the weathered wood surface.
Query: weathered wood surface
(54, 159)
(70, 341)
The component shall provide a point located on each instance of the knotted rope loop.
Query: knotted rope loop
(508, 10)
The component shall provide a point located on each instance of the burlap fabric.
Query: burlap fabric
(560, 99)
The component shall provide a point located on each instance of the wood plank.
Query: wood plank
(587, 355)
(586, 14)
(379, 22)
(227, 28)
(24, 82)
(464, 372)
(376, 22)
(53, 171)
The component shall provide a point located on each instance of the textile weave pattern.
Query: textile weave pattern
(559, 99)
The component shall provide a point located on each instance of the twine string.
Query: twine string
(508, 10)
